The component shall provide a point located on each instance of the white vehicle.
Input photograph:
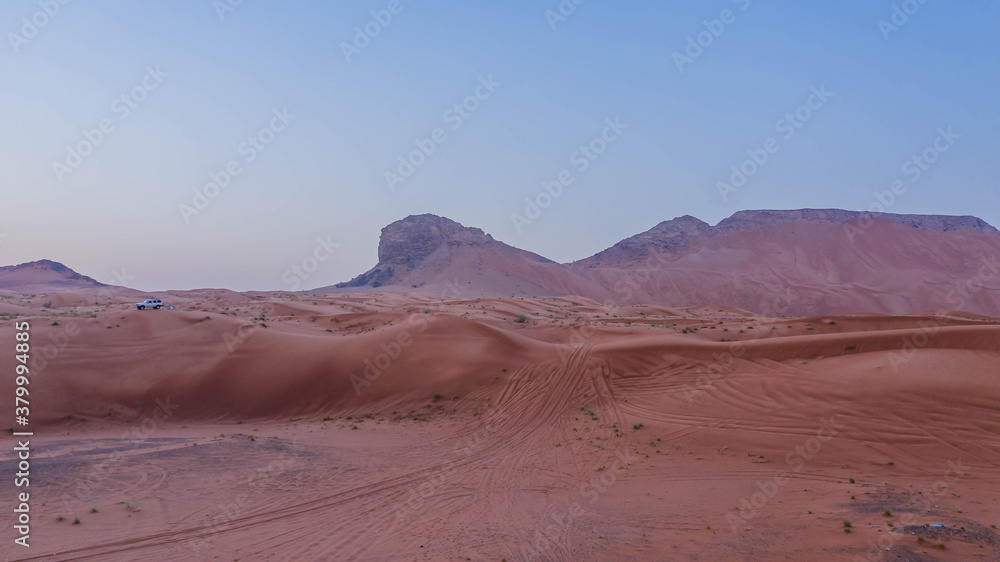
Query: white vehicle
(149, 303)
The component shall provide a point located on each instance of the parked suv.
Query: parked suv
(149, 303)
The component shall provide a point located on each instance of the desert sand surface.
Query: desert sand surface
(282, 426)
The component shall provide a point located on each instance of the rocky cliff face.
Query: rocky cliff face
(747, 220)
(407, 243)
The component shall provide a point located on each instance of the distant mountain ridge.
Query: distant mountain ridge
(786, 263)
(43, 275)
(680, 232)
(742, 220)
(816, 260)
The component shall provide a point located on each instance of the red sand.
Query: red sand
(583, 433)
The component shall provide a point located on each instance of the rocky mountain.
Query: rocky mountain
(779, 263)
(42, 276)
(436, 254)
(798, 262)
(746, 220)
(668, 236)
(679, 233)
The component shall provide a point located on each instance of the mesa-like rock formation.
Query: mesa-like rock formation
(773, 262)
(427, 250)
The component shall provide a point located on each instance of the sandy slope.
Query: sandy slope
(242, 427)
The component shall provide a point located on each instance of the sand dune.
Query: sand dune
(243, 426)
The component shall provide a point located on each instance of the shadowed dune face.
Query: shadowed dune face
(399, 426)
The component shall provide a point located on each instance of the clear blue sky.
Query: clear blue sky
(323, 173)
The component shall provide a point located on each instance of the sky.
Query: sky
(201, 143)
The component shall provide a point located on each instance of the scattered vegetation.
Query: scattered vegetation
(520, 319)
